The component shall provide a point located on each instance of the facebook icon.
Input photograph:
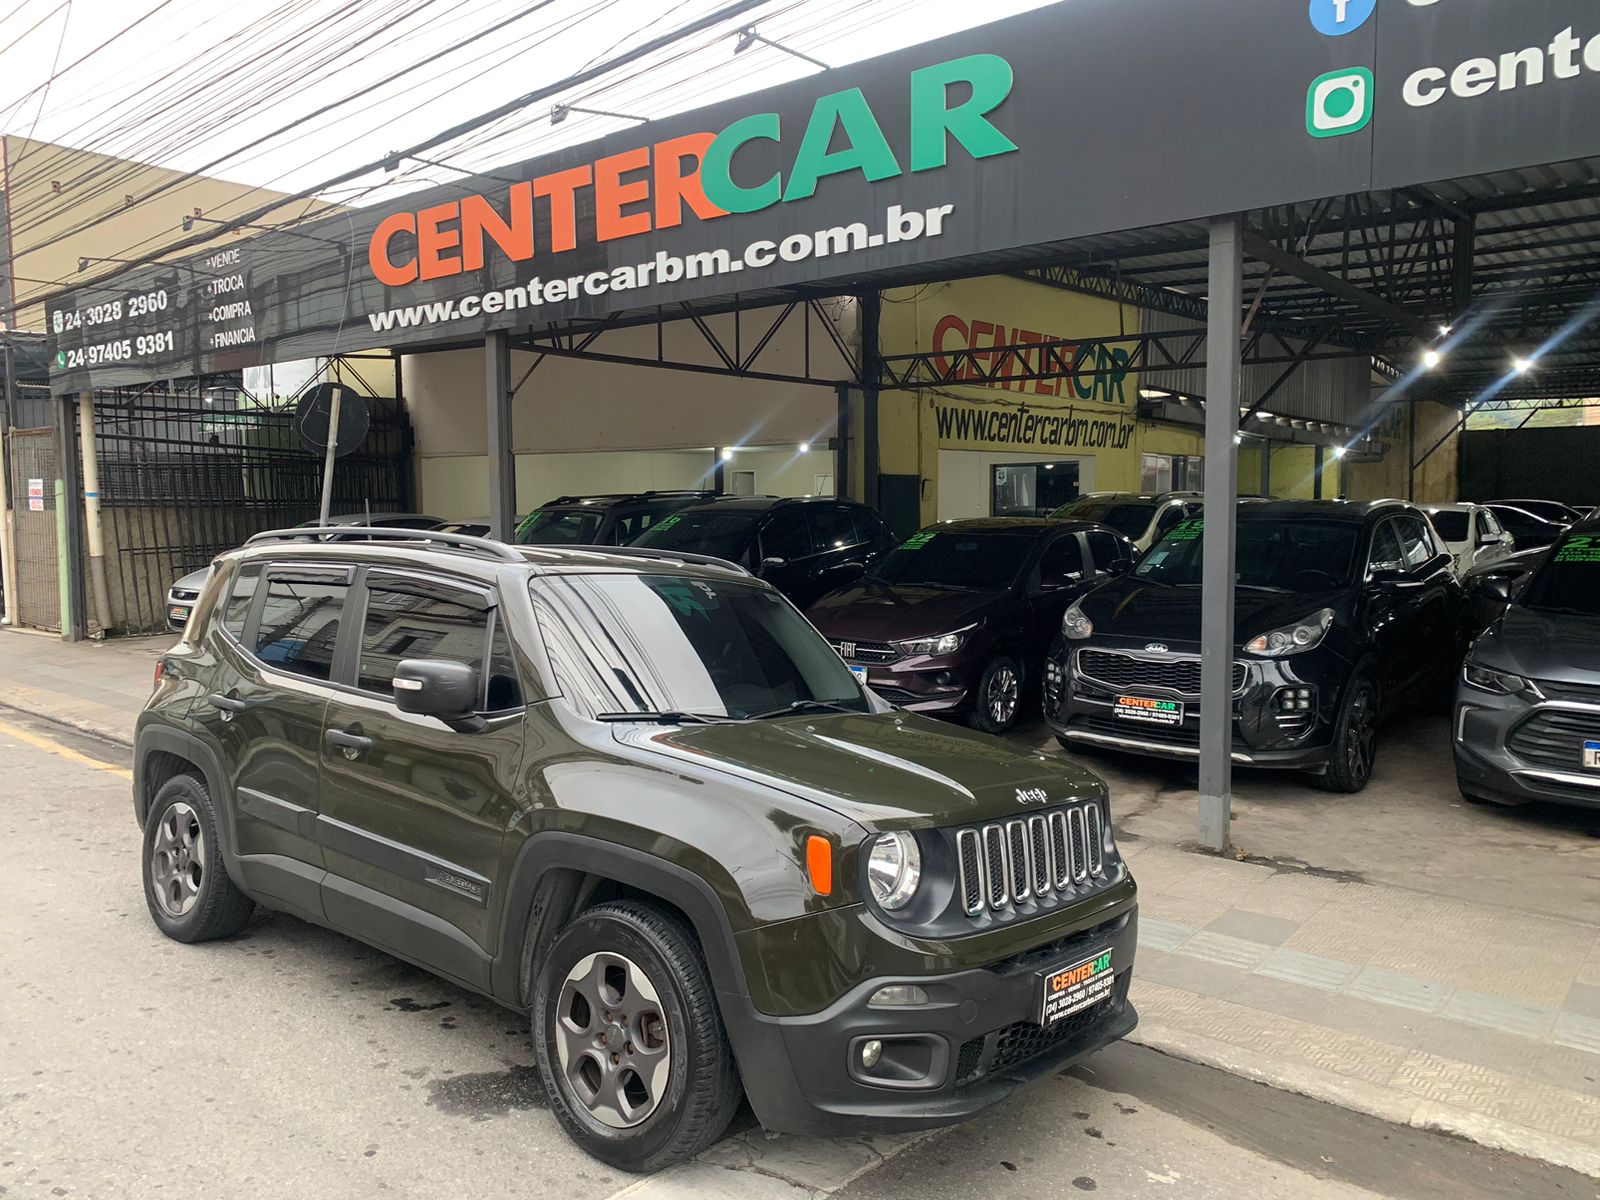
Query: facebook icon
(1339, 17)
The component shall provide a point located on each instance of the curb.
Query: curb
(1375, 1100)
(22, 699)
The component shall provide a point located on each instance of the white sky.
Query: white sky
(173, 89)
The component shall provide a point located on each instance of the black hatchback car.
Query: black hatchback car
(805, 546)
(1527, 720)
(958, 619)
(1343, 614)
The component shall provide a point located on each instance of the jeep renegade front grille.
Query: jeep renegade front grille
(1007, 863)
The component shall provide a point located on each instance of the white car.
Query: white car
(1473, 534)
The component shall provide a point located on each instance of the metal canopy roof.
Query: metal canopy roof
(1509, 262)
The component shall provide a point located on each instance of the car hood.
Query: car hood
(1552, 646)
(1136, 610)
(877, 612)
(884, 770)
(193, 581)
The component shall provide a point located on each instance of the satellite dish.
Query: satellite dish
(315, 410)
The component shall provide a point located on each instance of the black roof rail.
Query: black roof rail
(654, 555)
(483, 547)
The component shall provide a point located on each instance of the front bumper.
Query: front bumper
(926, 683)
(1084, 710)
(975, 1042)
(1508, 751)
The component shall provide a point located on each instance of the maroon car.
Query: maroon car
(959, 618)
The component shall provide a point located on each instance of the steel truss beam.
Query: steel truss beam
(743, 356)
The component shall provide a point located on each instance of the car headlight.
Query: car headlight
(1074, 625)
(1293, 639)
(1501, 683)
(944, 643)
(894, 869)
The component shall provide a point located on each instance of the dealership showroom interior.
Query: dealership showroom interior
(800, 598)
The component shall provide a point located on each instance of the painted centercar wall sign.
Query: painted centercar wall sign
(1081, 118)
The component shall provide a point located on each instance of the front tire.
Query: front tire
(1354, 752)
(186, 886)
(629, 1041)
(999, 695)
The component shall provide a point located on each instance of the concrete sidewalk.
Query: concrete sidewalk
(1402, 953)
(97, 687)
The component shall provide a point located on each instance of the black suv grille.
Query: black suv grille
(1005, 863)
(867, 652)
(1016, 1045)
(1116, 670)
(1554, 737)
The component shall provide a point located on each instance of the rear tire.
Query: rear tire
(186, 886)
(623, 988)
(1354, 752)
(999, 696)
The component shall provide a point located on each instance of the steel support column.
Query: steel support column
(1223, 355)
(69, 540)
(871, 314)
(502, 464)
(841, 442)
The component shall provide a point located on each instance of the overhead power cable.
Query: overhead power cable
(718, 16)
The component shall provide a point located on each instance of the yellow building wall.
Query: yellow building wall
(1437, 480)
(51, 190)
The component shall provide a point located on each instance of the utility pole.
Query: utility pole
(8, 531)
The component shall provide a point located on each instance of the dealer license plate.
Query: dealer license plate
(177, 614)
(860, 673)
(1146, 711)
(1591, 755)
(1069, 990)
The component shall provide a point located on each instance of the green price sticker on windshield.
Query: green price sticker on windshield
(668, 522)
(1189, 530)
(918, 540)
(1580, 548)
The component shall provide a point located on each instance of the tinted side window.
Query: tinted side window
(1170, 516)
(786, 536)
(1416, 541)
(1106, 549)
(832, 528)
(503, 690)
(1386, 553)
(1063, 559)
(419, 620)
(237, 609)
(1486, 526)
(300, 625)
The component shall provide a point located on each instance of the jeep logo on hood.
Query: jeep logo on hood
(1032, 796)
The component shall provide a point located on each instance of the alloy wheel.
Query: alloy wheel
(1004, 691)
(611, 1039)
(178, 860)
(1361, 743)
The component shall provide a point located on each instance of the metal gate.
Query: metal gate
(38, 569)
(187, 475)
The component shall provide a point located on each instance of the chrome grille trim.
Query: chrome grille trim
(1006, 864)
(969, 862)
(996, 867)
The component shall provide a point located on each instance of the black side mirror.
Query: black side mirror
(770, 564)
(1495, 587)
(1120, 566)
(1388, 580)
(436, 687)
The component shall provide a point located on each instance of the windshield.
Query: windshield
(719, 534)
(1569, 581)
(561, 527)
(673, 643)
(950, 559)
(1287, 555)
(1128, 517)
(1452, 525)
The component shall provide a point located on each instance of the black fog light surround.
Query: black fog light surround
(899, 1061)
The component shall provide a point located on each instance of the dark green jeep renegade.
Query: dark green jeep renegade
(636, 796)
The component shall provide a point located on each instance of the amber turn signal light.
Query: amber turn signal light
(819, 863)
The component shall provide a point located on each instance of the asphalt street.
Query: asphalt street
(290, 1061)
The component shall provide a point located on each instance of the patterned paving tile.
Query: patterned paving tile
(1403, 991)
(1162, 936)
(1506, 1016)
(1224, 950)
(1308, 970)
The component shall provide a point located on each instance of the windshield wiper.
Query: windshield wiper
(669, 717)
(799, 706)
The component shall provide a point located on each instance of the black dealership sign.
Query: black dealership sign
(1085, 117)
